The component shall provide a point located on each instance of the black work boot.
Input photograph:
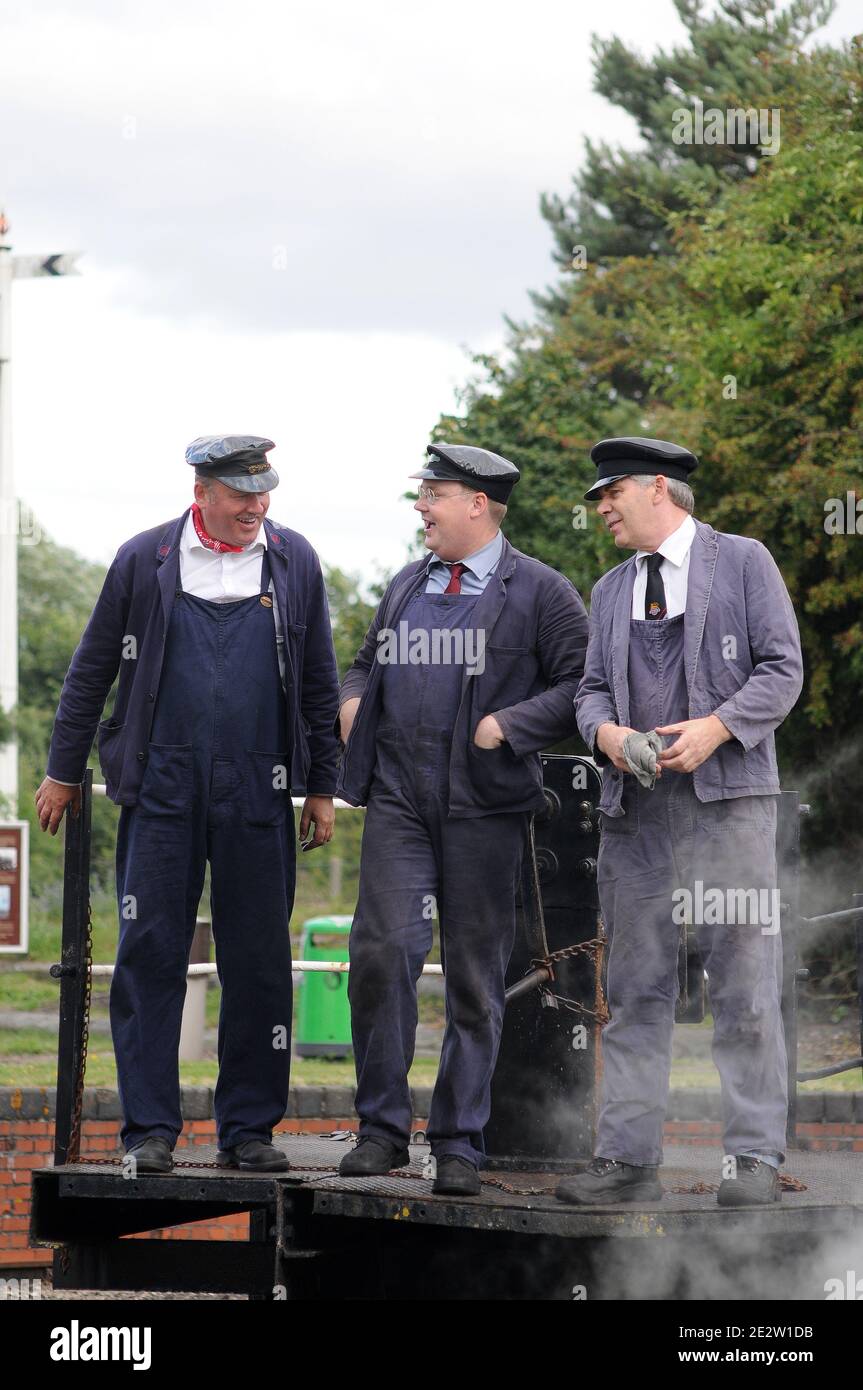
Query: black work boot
(756, 1184)
(608, 1180)
(456, 1176)
(373, 1158)
(152, 1155)
(254, 1156)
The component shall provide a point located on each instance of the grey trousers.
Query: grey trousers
(669, 856)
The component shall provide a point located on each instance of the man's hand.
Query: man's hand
(698, 738)
(488, 734)
(347, 715)
(52, 798)
(320, 811)
(609, 740)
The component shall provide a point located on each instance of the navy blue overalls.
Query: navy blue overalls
(217, 787)
(415, 859)
(669, 840)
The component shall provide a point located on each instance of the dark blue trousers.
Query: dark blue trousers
(416, 863)
(414, 857)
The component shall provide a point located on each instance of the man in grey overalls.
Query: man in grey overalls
(694, 644)
(444, 754)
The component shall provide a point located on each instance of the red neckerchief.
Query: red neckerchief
(209, 541)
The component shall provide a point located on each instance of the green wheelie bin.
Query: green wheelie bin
(324, 1016)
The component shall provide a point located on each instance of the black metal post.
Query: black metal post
(73, 972)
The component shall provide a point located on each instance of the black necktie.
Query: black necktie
(654, 596)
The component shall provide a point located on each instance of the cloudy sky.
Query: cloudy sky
(296, 219)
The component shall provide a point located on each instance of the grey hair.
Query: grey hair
(680, 493)
(206, 480)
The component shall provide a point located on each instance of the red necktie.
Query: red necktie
(203, 536)
(455, 574)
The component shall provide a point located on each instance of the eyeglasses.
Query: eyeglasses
(428, 494)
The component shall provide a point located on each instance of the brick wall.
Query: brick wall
(827, 1120)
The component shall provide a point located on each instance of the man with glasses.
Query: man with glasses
(468, 669)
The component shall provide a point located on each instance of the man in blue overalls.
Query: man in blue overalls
(226, 701)
(469, 668)
(693, 644)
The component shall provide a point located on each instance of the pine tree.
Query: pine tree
(740, 57)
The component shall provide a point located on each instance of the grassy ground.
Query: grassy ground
(28, 1057)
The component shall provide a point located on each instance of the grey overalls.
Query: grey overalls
(666, 841)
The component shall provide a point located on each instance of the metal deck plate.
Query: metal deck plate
(833, 1197)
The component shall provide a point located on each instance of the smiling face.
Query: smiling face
(231, 516)
(457, 522)
(636, 516)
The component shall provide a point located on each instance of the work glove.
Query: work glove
(639, 752)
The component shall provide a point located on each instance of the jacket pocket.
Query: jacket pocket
(500, 778)
(505, 676)
(612, 826)
(731, 765)
(760, 762)
(166, 789)
(628, 823)
(109, 743)
(267, 787)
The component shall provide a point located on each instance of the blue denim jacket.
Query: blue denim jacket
(734, 591)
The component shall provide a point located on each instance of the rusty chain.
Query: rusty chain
(590, 948)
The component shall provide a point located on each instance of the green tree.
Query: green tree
(740, 338)
(351, 611)
(743, 55)
(756, 345)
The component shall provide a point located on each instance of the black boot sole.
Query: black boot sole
(447, 1190)
(750, 1202)
(401, 1160)
(162, 1164)
(224, 1160)
(643, 1193)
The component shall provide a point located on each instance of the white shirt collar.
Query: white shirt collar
(189, 541)
(676, 546)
